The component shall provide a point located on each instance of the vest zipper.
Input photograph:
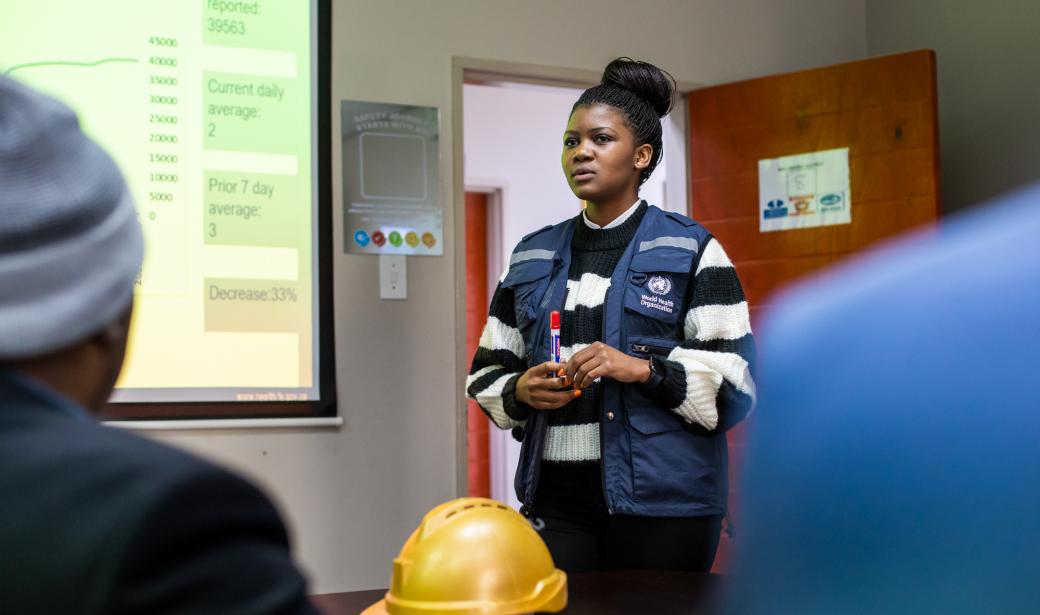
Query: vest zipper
(602, 425)
(648, 349)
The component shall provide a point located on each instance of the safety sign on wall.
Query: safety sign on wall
(804, 190)
(391, 179)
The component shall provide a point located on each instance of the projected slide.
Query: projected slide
(208, 107)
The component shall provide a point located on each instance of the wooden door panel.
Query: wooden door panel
(758, 311)
(729, 196)
(856, 85)
(900, 125)
(881, 81)
(761, 279)
(894, 174)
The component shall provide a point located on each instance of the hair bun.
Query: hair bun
(643, 79)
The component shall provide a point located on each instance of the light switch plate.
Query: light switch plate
(393, 276)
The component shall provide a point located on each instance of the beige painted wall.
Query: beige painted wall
(352, 495)
(988, 59)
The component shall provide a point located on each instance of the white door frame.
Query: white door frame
(500, 468)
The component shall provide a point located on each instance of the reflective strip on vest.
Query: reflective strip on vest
(530, 255)
(686, 243)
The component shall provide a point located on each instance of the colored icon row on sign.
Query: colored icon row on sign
(777, 208)
(395, 239)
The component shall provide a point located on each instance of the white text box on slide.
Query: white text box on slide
(250, 162)
(251, 262)
(265, 62)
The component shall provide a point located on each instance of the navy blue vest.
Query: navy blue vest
(653, 462)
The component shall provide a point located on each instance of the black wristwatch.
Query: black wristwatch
(656, 373)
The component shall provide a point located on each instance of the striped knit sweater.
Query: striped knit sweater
(715, 353)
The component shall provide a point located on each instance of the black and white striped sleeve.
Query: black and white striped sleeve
(718, 350)
(498, 363)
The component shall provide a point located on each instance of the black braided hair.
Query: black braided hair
(643, 94)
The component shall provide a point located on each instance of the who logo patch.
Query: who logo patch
(659, 285)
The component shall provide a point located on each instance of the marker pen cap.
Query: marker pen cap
(554, 320)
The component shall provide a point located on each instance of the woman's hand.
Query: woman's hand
(543, 387)
(599, 360)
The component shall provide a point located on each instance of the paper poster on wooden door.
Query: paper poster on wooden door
(804, 190)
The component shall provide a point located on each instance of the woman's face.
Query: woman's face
(601, 159)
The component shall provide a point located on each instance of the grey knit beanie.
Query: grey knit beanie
(70, 242)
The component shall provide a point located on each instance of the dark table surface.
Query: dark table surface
(594, 593)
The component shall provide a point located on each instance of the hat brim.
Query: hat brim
(378, 608)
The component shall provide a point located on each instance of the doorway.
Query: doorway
(512, 140)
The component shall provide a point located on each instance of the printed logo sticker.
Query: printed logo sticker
(775, 209)
(832, 202)
(830, 199)
(659, 285)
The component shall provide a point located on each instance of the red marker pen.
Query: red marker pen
(554, 337)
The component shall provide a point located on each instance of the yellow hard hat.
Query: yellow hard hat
(473, 556)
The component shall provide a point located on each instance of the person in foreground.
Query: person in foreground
(893, 467)
(94, 519)
(624, 459)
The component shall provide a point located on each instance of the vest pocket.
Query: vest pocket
(644, 415)
(666, 468)
(656, 283)
(647, 419)
(529, 281)
(670, 462)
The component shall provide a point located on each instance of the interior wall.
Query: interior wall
(354, 494)
(988, 57)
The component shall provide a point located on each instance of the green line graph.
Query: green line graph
(70, 63)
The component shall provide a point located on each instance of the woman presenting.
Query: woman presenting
(624, 461)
